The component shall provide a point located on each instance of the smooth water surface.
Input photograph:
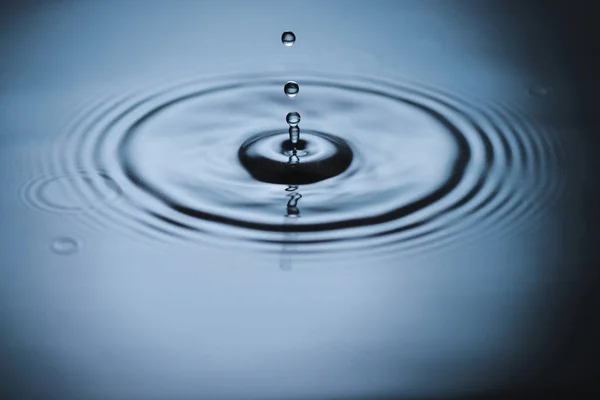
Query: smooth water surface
(168, 235)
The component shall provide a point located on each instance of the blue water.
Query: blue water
(143, 260)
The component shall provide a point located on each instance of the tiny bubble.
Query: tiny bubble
(540, 91)
(65, 246)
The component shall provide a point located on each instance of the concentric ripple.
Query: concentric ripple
(422, 167)
(56, 194)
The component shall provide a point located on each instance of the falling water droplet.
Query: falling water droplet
(288, 38)
(293, 118)
(291, 89)
(294, 134)
(64, 246)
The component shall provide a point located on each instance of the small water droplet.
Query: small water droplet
(293, 118)
(65, 246)
(294, 134)
(288, 38)
(291, 89)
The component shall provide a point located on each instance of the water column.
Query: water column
(291, 89)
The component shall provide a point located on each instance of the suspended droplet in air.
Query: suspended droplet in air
(291, 89)
(288, 38)
(293, 118)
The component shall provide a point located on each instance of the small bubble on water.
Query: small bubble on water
(540, 91)
(294, 134)
(64, 246)
(293, 118)
(288, 38)
(291, 89)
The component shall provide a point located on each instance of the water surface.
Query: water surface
(147, 256)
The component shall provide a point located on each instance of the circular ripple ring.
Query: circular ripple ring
(420, 167)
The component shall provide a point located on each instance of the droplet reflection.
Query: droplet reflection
(294, 159)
